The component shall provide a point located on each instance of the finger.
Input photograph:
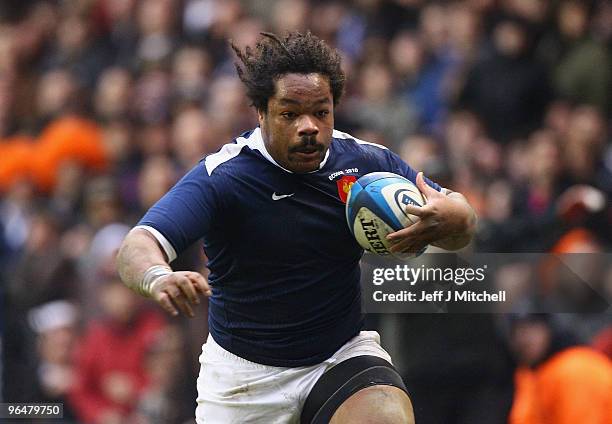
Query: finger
(183, 305)
(410, 241)
(420, 182)
(179, 300)
(423, 186)
(189, 291)
(408, 246)
(200, 283)
(408, 232)
(164, 300)
(415, 210)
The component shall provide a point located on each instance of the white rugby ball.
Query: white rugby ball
(375, 207)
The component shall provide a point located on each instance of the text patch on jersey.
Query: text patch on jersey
(344, 186)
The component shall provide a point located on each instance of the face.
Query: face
(509, 39)
(531, 341)
(118, 302)
(297, 126)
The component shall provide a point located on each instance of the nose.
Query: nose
(307, 125)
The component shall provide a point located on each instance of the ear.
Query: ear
(261, 117)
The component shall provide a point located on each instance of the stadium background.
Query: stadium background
(105, 103)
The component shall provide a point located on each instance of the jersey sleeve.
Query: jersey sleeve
(398, 166)
(184, 214)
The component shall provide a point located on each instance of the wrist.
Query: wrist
(152, 275)
(461, 226)
(464, 214)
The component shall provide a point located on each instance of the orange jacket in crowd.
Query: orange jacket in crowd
(67, 139)
(574, 386)
(15, 160)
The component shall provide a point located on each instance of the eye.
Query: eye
(289, 115)
(322, 113)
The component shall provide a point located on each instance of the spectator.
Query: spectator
(113, 91)
(168, 399)
(42, 274)
(193, 136)
(191, 69)
(76, 50)
(55, 324)
(110, 370)
(558, 381)
(377, 107)
(581, 64)
(156, 21)
(506, 88)
(156, 176)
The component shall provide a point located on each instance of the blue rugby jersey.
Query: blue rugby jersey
(284, 267)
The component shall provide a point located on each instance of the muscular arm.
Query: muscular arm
(139, 252)
(174, 291)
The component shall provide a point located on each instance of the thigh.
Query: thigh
(362, 389)
(375, 405)
(233, 390)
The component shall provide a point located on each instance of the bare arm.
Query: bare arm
(141, 258)
(139, 251)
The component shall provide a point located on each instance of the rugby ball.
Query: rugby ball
(375, 207)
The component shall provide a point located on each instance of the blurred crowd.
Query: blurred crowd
(104, 104)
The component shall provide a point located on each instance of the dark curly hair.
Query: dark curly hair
(272, 58)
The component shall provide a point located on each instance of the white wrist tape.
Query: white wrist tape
(150, 276)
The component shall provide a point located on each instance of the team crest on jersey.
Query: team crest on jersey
(344, 186)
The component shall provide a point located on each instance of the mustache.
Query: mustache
(308, 143)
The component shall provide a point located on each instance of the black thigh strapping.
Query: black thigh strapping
(342, 381)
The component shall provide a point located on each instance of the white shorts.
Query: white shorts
(232, 390)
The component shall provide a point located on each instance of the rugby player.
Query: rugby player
(285, 343)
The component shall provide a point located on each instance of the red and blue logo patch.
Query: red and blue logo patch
(344, 186)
